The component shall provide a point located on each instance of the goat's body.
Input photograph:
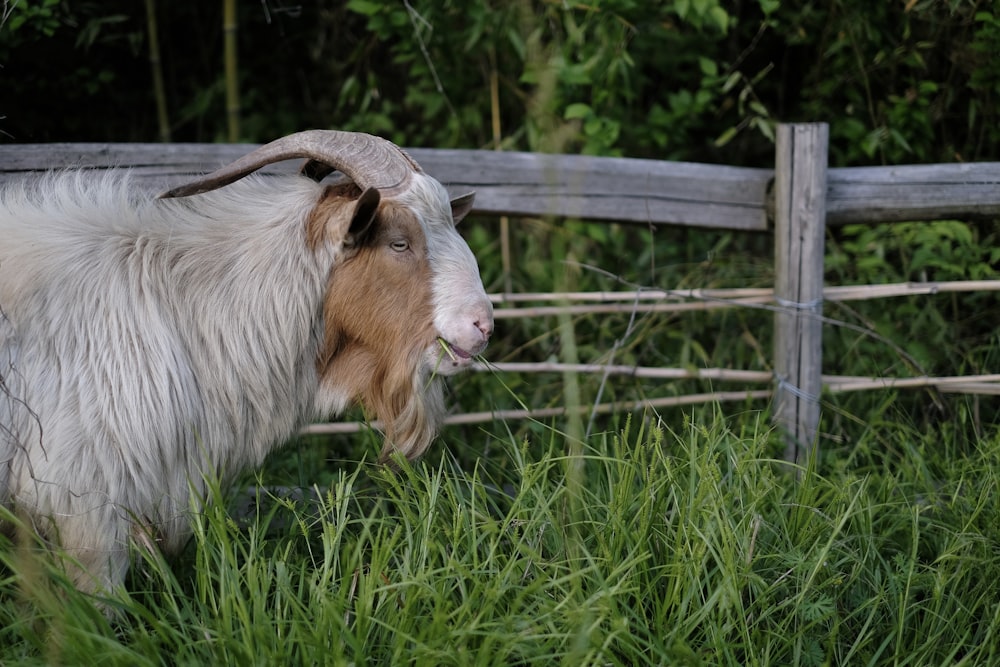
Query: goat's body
(150, 345)
(143, 348)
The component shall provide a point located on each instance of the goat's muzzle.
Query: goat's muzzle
(454, 353)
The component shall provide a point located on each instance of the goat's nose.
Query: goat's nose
(485, 326)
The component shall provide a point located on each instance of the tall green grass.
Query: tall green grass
(687, 545)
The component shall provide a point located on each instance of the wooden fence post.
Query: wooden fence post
(799, 229)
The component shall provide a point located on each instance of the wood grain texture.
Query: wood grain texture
(913, 193)
(594, 188)
(799, 228)
(517, 184)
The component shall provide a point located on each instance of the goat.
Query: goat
(147, 344)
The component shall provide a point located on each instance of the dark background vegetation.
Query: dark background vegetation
(700, 80)
(911, 81)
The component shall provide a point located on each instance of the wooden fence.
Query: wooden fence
(795, 201)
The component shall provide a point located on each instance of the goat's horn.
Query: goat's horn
(369, 161)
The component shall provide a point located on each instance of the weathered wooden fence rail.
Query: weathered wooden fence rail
(597, 188)
(795, 201)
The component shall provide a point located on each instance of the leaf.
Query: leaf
(366, 7)
(731, 81)
(818, 608)
(517, 43)
(900, 140)
(759, 108)
(765, 126)
(726, 137)
(769, 6)
(721, 18)
(577, 110)
(708, 66)
(575, 74)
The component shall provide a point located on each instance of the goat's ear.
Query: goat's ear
(365, 208)
(460, 206)
(343, 214)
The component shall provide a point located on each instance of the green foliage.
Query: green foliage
(39, 17)
(897, 83)
(918, 335)
(684, 79)
(921, 252)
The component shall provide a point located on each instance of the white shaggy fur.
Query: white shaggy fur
(145, 344)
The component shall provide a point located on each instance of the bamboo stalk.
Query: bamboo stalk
(505, 261)
(545, 413)
(861, 292)
(834, 384)
(713, 298)
(973, 388)
(610, 308)
(831, 383)
(232, 71)
(156, 65)
(978, 384)
(634, 295)
(830, 293)
(724, 374)
(568, 350)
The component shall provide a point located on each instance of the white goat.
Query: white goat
(146, 343)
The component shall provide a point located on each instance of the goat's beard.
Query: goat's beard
(409, 401)
(412, 416)
(406, 394)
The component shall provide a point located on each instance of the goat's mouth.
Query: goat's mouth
(454, 351)
(451, 357)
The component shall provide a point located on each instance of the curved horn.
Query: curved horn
(369, 161)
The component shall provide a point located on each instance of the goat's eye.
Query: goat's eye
(399, 246)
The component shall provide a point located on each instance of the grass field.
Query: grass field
(670, 539)
(681, 544)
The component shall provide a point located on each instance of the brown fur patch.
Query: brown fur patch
(378, 318)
